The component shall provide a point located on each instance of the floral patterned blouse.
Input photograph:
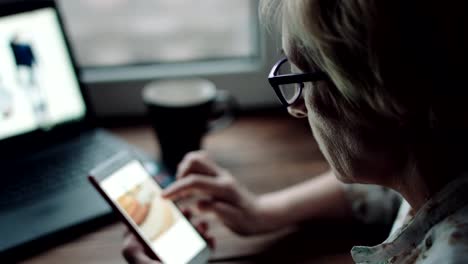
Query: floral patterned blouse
(437, 234)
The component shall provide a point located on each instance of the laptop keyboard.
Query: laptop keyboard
(57, 169)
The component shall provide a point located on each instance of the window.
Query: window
(122, 44)
(109, 33)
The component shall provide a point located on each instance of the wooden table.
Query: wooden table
(266, 152)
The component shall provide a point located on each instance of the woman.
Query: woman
(382, 85)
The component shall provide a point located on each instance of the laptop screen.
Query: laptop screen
(38, 85)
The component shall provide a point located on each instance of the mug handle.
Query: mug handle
(223, 111)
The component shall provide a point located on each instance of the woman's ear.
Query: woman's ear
(298, 109)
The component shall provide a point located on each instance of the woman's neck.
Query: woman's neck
(415, 190)
(417, 186)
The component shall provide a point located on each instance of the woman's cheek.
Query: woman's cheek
(329, 135)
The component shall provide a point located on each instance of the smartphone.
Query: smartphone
(159, 225)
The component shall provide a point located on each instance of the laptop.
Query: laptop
(48, 142)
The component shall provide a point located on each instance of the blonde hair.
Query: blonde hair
(403, 60)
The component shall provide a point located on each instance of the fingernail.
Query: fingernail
(204, 225)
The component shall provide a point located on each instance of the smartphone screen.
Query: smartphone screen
(159, 222)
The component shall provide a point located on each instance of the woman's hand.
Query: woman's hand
(235, 206)
(134, 252)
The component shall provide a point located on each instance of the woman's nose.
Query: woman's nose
(298, 109)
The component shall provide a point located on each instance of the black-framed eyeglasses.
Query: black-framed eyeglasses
(288, 85)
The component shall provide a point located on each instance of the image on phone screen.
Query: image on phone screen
(158, 220)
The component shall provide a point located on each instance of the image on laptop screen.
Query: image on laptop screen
(38, 86)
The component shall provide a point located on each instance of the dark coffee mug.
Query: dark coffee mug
(182, 111)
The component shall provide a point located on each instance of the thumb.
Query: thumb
(140, 258)
(134, 253)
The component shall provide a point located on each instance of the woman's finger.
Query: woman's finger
(198, 184)
(140, 258)
(228, 214)
(211, 242)
(221, 209)
(196, 162)
(187, 213)
(126, 233)
(134, 253)
(202, 227)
